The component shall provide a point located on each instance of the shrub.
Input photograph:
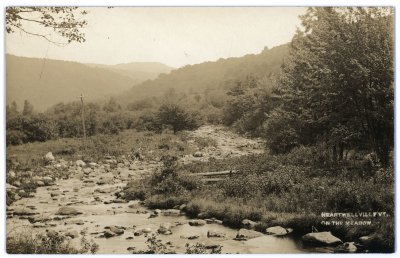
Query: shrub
(177, 118)
(50, 242)
(200, 248)
(155, 246)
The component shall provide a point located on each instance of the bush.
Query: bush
(177, 118)
(50, 242)
(200, 248)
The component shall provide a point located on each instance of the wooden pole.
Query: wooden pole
(83, 121)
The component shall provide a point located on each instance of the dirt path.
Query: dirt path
(89, 201)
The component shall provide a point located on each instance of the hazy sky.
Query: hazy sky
(174, 36)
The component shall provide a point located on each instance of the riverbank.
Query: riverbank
(270, 191)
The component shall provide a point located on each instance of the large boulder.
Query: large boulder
(67, 211)
(321, 238)
(277, 231)
(245, 234)
(49, 157)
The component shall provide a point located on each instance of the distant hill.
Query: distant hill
(209, 75)
(45, 82)
(137, 71)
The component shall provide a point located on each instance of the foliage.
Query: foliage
(200, 248)
(163, 189)
(155, 246)
(337, 84)
(177, 118)
(50, 242)
(63, 21)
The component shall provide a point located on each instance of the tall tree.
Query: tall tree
(28, 108)
(339, 78)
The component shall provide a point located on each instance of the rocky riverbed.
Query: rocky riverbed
(90, 200)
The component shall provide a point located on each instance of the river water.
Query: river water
(82, 193)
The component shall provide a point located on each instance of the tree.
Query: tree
(111, 105)
(42, 21)
(339, 77)
(175, 116)
(28, 108)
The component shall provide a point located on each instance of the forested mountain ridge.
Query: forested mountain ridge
(45, 82)
(210, 75)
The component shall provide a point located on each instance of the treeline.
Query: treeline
(65, 120)
(335, 91)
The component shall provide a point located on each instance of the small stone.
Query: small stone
(11, 174)
(87, 170)
(147, 230)
(165, 229)
(198, 154)
(21, 192)
(117, 230)
(80, 163)
(197, 222)
(92, 164)
(10, 187)
(172, 212)
(49, 157)
(249, 224)
(348, 247)
(24, 211)
(72, 234)
(215, 234)
(55, 193)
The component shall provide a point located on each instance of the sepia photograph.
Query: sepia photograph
(199, 129)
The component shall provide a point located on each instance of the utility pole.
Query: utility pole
(83, 120)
